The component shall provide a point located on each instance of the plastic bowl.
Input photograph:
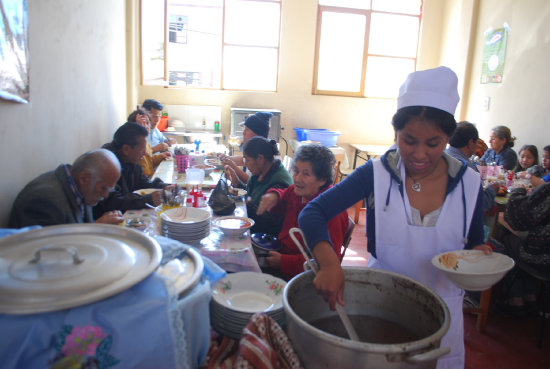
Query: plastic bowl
(194, 176)
(325, 137)
(472, 270)
(207, 168)
(233, 226)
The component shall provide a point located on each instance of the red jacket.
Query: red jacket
(292, 261)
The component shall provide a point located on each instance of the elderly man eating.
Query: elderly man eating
(67, 194)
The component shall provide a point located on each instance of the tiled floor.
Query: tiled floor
(507, 343)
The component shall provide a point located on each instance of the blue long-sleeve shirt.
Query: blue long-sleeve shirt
(506, 157)
(360, 185)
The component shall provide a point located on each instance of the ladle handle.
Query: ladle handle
(339, 309)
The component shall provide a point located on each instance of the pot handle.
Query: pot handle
(428, 356)
(71, 250)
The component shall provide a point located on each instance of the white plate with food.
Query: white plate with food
(472, 270)
(146, 191)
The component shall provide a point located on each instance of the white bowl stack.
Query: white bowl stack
(185, 224)
(238, 296)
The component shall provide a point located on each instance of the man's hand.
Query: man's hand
(156, 197)
(160, 147)
(110, 217)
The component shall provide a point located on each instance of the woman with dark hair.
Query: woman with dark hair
(267, 172)
(529, 161)
(420, 202)
(313, 173)
(501, 152)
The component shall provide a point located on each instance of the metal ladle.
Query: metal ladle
(339, 308)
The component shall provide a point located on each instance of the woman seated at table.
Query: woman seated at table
(149, 162)
(527, 218)
(501, 152)
(312, 172)
(267, 172)
(529, 161)
(256, 125)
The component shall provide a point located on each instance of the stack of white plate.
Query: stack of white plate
(238, 296)
(187, 225)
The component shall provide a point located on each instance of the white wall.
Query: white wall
(78, 92)
(521, 101)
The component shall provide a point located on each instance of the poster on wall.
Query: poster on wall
(14, 54)
(494, 52)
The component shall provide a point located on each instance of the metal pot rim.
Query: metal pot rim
(408, 348)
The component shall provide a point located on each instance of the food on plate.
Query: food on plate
(234, 223)
(502, 191)
(449, 260)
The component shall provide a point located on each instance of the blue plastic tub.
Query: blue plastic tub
(325, 137)
(301, 133)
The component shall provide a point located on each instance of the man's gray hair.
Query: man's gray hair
(95, 162)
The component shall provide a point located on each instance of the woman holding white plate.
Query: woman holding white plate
(420, 202)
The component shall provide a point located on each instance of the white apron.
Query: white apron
(408, 249)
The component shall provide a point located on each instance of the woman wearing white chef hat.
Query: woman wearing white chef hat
(420, 202)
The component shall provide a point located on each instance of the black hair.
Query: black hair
(546, 148)
(258, 145)
(533, 150)
(151, 104)
(442, 119)
(464, 132)
(133, 115)
(504, 133)
(322, 161)
(128, 134)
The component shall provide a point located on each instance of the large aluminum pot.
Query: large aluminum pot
(369, 293)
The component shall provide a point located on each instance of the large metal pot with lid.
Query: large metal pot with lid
(66, 266)
(400, 322)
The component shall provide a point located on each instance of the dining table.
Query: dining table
(233, 254)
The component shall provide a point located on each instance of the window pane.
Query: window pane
(250, 68)
(395, 35)
(385, 76)
(194, 46)
(252, 23)
(152, 41)
(398, 6)
(354, 4)
(341, 52)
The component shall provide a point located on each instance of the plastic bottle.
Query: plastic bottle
(217, 126)
(189, 202)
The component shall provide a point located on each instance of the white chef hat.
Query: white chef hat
(436, 88)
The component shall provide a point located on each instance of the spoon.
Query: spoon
(339, 308)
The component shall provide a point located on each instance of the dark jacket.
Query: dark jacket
(48, 200)
(530, 215)
(123, 197)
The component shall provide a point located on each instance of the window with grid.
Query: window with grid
(365, 48)
(220, 44)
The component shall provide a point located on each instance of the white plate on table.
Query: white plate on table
(249, 292)
(146, 191)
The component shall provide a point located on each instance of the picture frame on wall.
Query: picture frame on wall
(14, 53)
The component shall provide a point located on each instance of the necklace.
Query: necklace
(416, 186)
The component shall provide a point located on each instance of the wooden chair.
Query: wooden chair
(482, 311)
(347, 238)
(338, 175)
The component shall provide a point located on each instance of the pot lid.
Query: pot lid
(65, 266)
